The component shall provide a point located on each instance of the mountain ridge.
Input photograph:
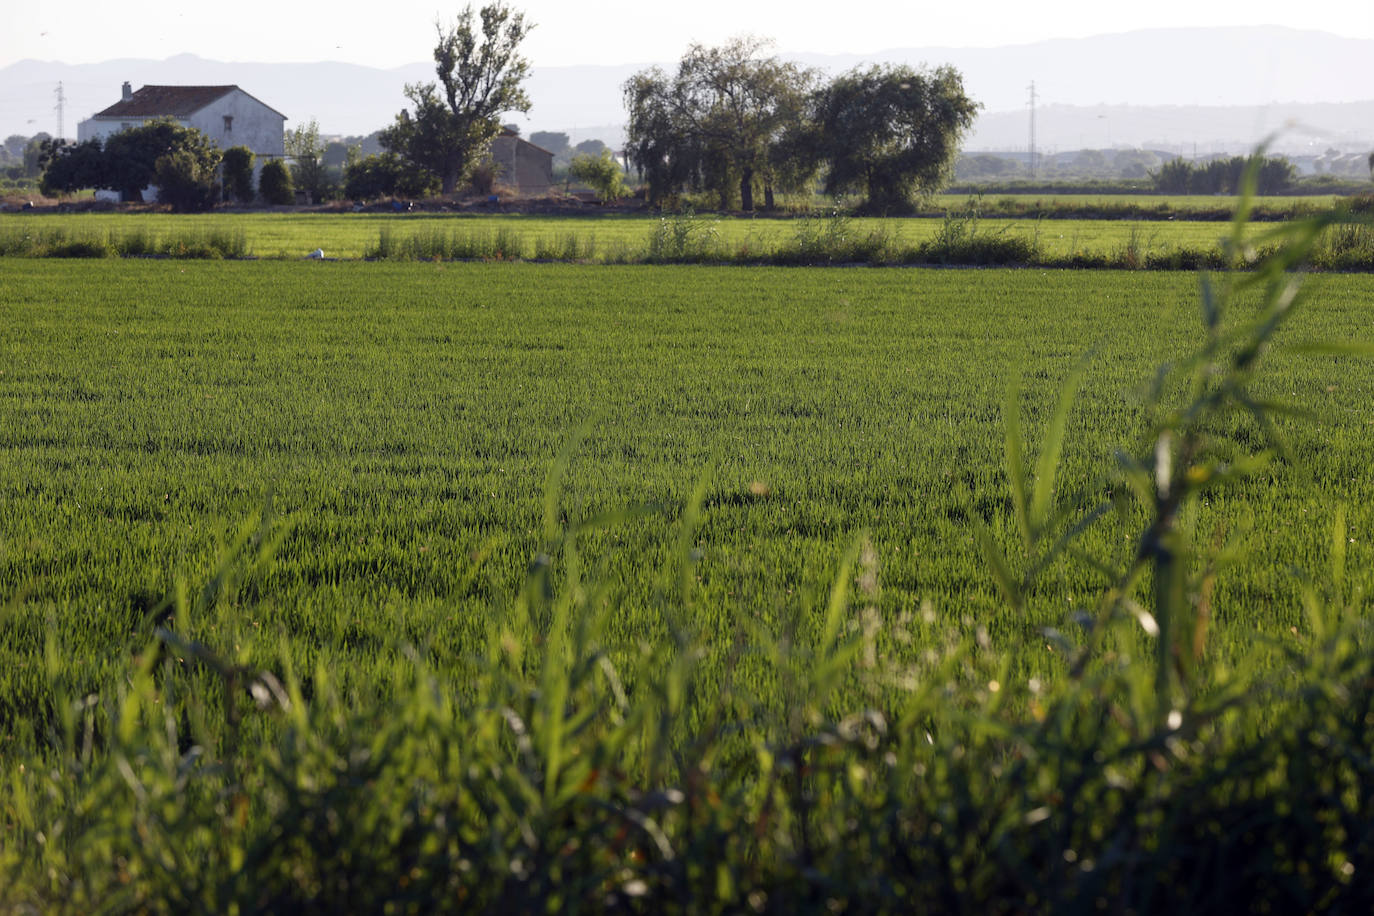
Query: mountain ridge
(1203, 68)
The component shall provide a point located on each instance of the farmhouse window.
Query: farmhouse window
(228, 123)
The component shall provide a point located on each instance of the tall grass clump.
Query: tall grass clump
(438, 244)
(1347, 247)
(961, 240)
(54, 243)
(683, 238)
(900, 765)
(834, 238)
(565, 246)
(203, 244)
(137, 242)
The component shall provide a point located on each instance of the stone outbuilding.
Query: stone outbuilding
(524, 167)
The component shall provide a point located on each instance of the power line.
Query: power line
(1032, 129)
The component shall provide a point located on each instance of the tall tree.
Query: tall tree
(74, 166)
(892, 132)
(306, 152)
(718, 121)
(480, 74)
(659, 142)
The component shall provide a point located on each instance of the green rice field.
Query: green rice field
(603, 238)
(1183, 202)
(403, 419)
(451, 582)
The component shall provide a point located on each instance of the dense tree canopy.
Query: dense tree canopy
(731, 120)
(1273, 174)
(480, 75)
(718, 123)
(73, 167)
(386, 175)
(127, 161)
(891, 132)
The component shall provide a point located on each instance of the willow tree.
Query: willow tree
(717, 122)
(481, 73)
(891, 132)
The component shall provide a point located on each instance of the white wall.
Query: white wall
(254, 124)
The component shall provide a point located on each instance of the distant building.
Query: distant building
(226, 114)
(521, 165)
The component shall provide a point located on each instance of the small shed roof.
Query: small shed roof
(510, 134)
(174, 101)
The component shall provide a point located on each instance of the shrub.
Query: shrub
(186, 181)
(683, 238)
(482, 179)
(238, 173)
(80, 248)
(274, 184)
(387, 175)
(960, 240)
(601, 173)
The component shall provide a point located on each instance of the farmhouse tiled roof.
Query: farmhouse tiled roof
(166, 101)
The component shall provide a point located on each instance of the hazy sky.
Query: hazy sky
(609, 31)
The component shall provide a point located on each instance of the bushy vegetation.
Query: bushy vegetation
(309, 172)
(274, 183)
(386, 175)
(1122, 696)
(1273, 175)
(186, 181)
(972, 232)
(127, 162)
(238, 174)
(730, 118)
(440, 245)
(602, 174)
(207, 242)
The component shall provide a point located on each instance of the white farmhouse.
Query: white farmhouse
(226, 114)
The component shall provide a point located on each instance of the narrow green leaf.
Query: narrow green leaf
(839, 594)
(1001, 570)
(1338, 546)
(1015, 457)
(1053, 447)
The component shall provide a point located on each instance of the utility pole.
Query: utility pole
(1032, 129)
(61, 109)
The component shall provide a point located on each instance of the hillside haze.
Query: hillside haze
(1195, 71)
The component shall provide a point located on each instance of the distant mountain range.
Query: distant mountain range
(1167, 87)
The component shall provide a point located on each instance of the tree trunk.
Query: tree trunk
(746, 190)
(768, 202)
(453, 171)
